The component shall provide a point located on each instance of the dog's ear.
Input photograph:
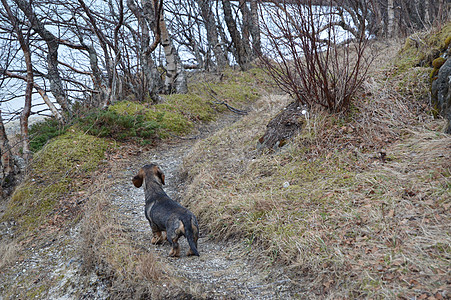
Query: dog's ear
(160, 175)
(138, 179)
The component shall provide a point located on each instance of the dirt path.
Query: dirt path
(222, 271)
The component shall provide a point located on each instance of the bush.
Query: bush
(110, 124)
(100, 123)
(42, 132)
(314, 58)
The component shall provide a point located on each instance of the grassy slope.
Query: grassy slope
(47, 202)
(56, 174)
(65, 184)
(350, 224)
(327, 204)
(178, 113)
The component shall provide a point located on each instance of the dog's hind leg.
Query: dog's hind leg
(175, 251)
(174, 241)
(157, 238)
(173, 235)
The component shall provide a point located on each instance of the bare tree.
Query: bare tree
(212, 33)
(390, 18)
(175, 80)
(402, 17)
(52, 57)
(29, 79)
(242, 49)
(255, 28)
(151, 78)
(110, 63)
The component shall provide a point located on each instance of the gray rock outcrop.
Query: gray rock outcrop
(441, 93)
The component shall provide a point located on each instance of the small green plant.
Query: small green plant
(120, 127)
(100, 123)
(42, 132)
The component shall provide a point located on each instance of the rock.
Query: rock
(441, 92)
(20, 164)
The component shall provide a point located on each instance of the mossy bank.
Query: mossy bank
(55, 174)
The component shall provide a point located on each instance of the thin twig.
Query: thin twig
(229, 107)
(184, 138)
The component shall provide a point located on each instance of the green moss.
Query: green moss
(52, 177)
(192, 107)
(128, 108)
(447, 42)
(422, 48)
(438, 62)
(178, 113)
(42, 132)
(235, 88)
(433, 74)
(73, 152)
(119, 126)
(165, 118)
(170, 122)
(442, 38)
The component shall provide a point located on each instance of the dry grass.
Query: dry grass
(8, 253)
(352, 223)
(131, 271)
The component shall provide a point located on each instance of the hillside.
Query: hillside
(356, 205)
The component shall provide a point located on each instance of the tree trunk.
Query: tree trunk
(53, 75)
(7, 174)
(375, 26)
(255, 29)
(240, 54)
(212, 33)
(100, 94)
(245, 26)
(28, 94)
(116, 84)
(175, 81)
(390, 18)
(106, 97)
(427, 18)
(29, 89)
(152, 83)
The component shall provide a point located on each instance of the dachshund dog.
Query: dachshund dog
(164, 214)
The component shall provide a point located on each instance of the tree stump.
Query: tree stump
(282, 127)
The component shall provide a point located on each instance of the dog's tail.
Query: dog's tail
(191, 234)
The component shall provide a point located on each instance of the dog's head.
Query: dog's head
(149, 172)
